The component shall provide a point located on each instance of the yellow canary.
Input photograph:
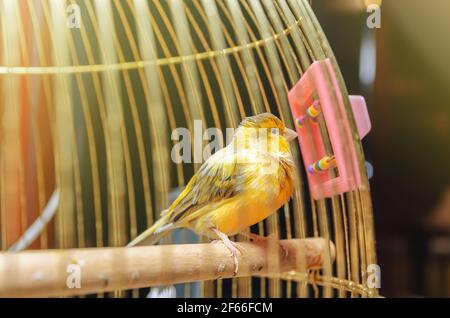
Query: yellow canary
(237, 187)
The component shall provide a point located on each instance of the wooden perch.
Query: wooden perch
(50, 272)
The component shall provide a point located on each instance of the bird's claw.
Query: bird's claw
(233, 247)
(235, 250)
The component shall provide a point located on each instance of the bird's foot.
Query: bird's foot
(313, 280)
(233, 247)
(235, 251)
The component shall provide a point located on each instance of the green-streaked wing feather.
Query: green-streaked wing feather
(222, 176)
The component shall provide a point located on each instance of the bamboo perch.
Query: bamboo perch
(50, 272)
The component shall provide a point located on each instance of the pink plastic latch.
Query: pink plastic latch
(318, 110)
(361, 115)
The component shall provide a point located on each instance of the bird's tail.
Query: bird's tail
(155, 233)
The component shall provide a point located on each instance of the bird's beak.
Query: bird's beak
(290, 134)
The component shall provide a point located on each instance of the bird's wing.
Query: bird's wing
(222, 176)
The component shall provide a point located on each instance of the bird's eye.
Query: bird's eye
(274, 131)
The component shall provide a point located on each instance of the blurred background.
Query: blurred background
(403, 71)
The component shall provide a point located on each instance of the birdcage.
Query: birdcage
(91, 93)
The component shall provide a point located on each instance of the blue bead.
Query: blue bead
(369, 170)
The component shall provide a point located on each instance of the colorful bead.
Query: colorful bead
(324, 164)
(314, 110)
(300, 121)
(312, 114)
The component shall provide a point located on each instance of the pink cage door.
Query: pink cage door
(317, 105)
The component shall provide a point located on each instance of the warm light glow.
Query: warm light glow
(369, 2)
